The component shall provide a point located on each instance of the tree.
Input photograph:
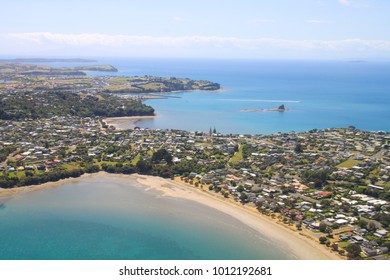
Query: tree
(161, 154)
(329, 231)
(318, 177)
(322, 227)
(372, 226)
(362, 224)
(143, 166)
(243, 197)
(354, 251)
(335, 247)
(298, 148)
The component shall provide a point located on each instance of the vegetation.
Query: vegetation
(354, 251)
(5, 151)
(318, 177)
(238, 156)
(348, 163)
(45, 105)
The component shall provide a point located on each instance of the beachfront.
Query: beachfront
(125, 122)
(300, 246)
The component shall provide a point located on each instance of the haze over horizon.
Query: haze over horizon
(280, 29)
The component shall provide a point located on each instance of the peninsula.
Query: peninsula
(15, 77)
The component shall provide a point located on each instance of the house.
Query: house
(369, 252)
(345, 236)
(341, 222)
(357, 239)
(381, 233)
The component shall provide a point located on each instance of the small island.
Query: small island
(281, 108)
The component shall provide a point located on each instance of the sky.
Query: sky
(250, 29)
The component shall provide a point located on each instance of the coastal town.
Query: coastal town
(331, 186)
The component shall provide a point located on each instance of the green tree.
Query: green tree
(161, 154)
(322, 227)
(298, 148)
(362, 224)
(143, 166)
(354, 251)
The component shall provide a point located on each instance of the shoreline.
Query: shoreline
(299, 245)
(9, 193)
(121, 123)
(302, 247)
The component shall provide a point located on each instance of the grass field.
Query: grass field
(136, 159)
(348, 163)
(237, 156)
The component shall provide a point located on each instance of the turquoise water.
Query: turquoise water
(109, 217)
(320, 94)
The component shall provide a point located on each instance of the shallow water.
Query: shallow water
(110, 217)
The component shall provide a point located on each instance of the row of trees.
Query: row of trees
(159, 164)
(31, 178)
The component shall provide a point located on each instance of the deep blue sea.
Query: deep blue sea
(319, 94)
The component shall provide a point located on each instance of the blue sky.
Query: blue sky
(287, 29)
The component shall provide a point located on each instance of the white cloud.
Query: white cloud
(190, 45)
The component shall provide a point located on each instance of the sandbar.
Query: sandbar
(122, 123)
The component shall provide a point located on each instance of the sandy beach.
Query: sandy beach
(302, 247)
(122, 123)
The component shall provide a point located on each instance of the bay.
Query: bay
(113, 217)
(319, 94)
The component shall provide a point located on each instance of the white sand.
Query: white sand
(121, 123)
(301, 246)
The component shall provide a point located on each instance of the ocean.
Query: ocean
(319, 94)
(112, 217)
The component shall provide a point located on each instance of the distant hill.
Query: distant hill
(41, 60)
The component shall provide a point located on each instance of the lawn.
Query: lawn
(348, 163)
(237, 156)
(70, 166)
(136, 159)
